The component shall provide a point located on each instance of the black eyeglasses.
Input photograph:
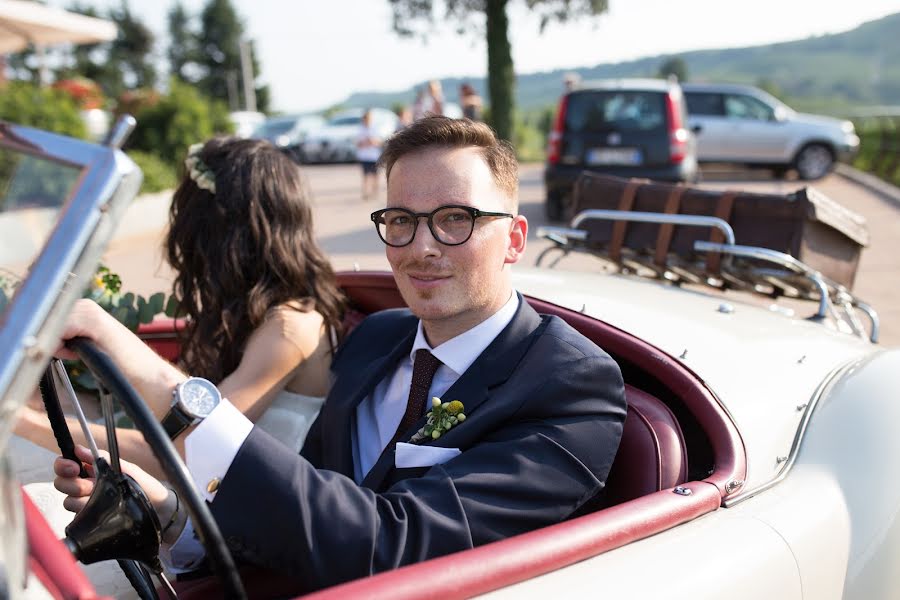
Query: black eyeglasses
(451, 225)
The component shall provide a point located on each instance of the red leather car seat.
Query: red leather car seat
(652, 455)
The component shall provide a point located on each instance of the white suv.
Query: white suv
(743, 124)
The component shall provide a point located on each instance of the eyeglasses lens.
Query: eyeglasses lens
(449, 225)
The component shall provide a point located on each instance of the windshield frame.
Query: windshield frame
(33, 320)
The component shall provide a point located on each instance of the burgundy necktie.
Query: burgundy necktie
(425, 365)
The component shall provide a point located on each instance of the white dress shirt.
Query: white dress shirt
(210, 449)
(379, 415)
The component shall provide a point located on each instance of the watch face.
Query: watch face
(198, 397)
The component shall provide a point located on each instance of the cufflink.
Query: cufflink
(213, 485)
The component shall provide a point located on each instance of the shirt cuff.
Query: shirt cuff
(185, 554)
(210, 449)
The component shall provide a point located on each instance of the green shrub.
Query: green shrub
(879, 145)
(530, 133)
(528, 142)
(182, 117)
(25, 103)
(158, 174)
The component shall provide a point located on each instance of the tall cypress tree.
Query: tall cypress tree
(219, 56)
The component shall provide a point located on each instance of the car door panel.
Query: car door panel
(721, 554)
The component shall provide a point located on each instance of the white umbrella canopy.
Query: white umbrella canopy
(23, 22)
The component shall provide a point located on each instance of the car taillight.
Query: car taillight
(554, 141)
(678, 135)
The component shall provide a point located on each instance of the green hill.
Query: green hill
(829, 73)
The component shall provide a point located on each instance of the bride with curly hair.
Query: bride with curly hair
(263, 309)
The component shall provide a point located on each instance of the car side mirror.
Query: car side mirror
(780, 114)
(697, 129)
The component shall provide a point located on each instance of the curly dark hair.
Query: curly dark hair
(242, 251)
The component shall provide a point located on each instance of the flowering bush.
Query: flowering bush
(86, 93)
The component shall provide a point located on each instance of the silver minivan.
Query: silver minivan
(745, 125)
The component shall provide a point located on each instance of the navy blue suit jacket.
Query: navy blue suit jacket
(545, 409)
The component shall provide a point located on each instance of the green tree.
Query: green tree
(182, 117)
(501, 72)
(26, 103)
(124, 63)
(87, 60)
(676, 66)
(23, 66)
(220, 56)
(182, 50)
(131, 51)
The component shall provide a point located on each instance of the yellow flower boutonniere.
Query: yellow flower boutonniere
(442, 417)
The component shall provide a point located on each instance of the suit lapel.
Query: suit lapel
(491, 368)
(357, 383)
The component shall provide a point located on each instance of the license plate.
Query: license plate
(614, 156)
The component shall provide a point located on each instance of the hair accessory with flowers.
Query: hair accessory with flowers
(442, 417)
(198, 171)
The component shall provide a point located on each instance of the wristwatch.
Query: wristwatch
(192, 401)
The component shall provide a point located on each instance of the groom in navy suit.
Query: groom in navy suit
(376, 486)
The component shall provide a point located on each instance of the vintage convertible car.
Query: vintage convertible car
(758, 459)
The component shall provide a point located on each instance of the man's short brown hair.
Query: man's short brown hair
(444, 132)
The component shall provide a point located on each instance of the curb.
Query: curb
(869, 181)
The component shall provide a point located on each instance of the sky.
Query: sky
(315, 53)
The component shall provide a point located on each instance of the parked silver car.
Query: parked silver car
(336, 141)
(745, 125)
(288, 132)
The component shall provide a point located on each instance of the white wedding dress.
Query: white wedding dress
(289, 418)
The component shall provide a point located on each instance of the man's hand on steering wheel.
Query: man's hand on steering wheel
(78, 490)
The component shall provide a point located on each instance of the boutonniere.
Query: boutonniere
(442, 417)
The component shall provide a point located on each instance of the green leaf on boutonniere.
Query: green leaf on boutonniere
(442, 417)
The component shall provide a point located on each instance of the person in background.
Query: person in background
(368, 150)
(470, 102)
(404, 118)
(261, 301)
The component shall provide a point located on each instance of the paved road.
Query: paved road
(346, 233)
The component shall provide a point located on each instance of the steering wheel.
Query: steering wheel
(109, 375)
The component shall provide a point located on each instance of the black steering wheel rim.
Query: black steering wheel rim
(220, 560)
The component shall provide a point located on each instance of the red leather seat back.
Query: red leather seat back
(652, 455)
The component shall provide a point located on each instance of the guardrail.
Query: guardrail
(878, 128)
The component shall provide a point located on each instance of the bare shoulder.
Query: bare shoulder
(294, 323)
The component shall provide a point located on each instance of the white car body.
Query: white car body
(816, 521)
(336, 140)
(245, 122)
(743, 124)
(287, 132)
(803, 503)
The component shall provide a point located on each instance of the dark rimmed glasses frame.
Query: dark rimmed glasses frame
(451, 225)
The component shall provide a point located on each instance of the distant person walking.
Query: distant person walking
(368, 151)
(470, 102)
(404, 118)
(571, 81)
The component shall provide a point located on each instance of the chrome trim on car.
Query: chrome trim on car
(787, 462)
(642, 217)
(61, 271)
(825, 286)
